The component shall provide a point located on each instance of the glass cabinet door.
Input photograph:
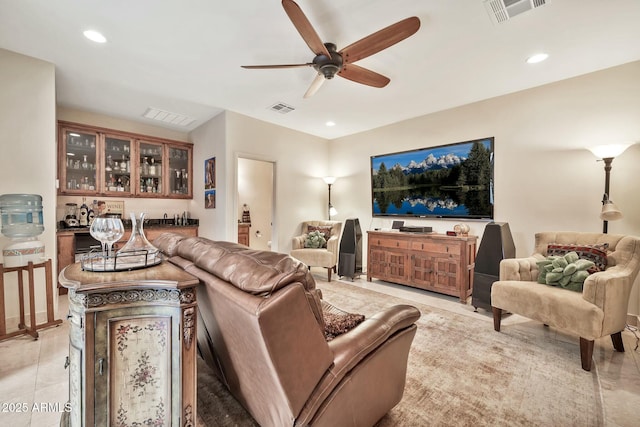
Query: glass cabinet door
(179, 171)
(78, 161)
(150, 161)
(117, 164)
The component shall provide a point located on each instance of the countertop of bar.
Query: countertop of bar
(148, 223)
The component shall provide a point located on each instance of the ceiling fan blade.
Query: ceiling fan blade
(304, 27)
(253, 67)
(315, 85)
(367, 77)
(380, 40)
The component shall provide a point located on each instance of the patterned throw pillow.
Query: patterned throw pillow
(324, 229)
(338, 323)
(596, 253)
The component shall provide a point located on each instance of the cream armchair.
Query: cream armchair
(321, 257)
(599, 310)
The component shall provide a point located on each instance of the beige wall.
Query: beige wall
(209, 141)
(27, 141)
(300, 162)
(545, 179)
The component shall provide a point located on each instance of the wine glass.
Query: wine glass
(108, 229)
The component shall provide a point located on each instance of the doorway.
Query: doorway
(256, 201)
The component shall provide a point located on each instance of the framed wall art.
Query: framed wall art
(210, 199)
(210, 173)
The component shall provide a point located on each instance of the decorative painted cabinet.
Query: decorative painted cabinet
(132, 351)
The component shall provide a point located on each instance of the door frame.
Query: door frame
(236, 203)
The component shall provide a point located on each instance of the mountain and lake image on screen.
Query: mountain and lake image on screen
(446, 181)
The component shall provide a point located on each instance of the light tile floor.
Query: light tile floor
(34, 383)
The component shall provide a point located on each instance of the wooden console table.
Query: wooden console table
(434, 262)
(132, 350)
(33, 327)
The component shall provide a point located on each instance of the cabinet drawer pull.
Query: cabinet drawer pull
(100, 366)
(67, 362)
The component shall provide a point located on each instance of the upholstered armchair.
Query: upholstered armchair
(327, 256)
(599, 310)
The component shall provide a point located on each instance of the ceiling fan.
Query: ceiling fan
(329, 61)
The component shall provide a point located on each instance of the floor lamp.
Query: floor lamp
(329, 180)
(607, 153)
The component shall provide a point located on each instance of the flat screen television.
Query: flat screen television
(446, 181)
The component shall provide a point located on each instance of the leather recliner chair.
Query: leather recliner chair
(261, 329)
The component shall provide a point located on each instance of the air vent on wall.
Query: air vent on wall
(167, 117)
(282, 108)
(502, 10)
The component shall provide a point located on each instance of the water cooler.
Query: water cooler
(22, 223)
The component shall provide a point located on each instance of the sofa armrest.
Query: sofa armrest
(521, 269)
(353, 347)
(298, 242)
(332, 245)
(609, 289)
(350, 348)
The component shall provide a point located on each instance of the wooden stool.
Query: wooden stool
(32, 329)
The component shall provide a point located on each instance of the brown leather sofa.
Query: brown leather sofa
(261, 329)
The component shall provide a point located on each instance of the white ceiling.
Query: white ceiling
(185, 56)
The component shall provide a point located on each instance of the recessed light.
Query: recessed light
(330, 123)
(538, 57)
(95, 36)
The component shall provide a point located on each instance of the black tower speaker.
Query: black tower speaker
(350, 259)
(496, 245)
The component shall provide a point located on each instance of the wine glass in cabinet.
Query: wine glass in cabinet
(180, 171)
(150, 170)
(117, 165)
(78, 160)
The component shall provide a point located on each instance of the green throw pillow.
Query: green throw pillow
(315, 240)
(568, 271)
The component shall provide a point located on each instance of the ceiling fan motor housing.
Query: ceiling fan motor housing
(328, 66)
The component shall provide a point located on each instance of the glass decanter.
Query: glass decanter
(138, 246)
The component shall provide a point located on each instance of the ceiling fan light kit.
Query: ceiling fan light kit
(328, 61)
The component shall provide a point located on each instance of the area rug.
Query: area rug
(460, 373)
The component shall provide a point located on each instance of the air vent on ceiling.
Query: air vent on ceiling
(167, 117)
(282, 108)
(502, 10)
